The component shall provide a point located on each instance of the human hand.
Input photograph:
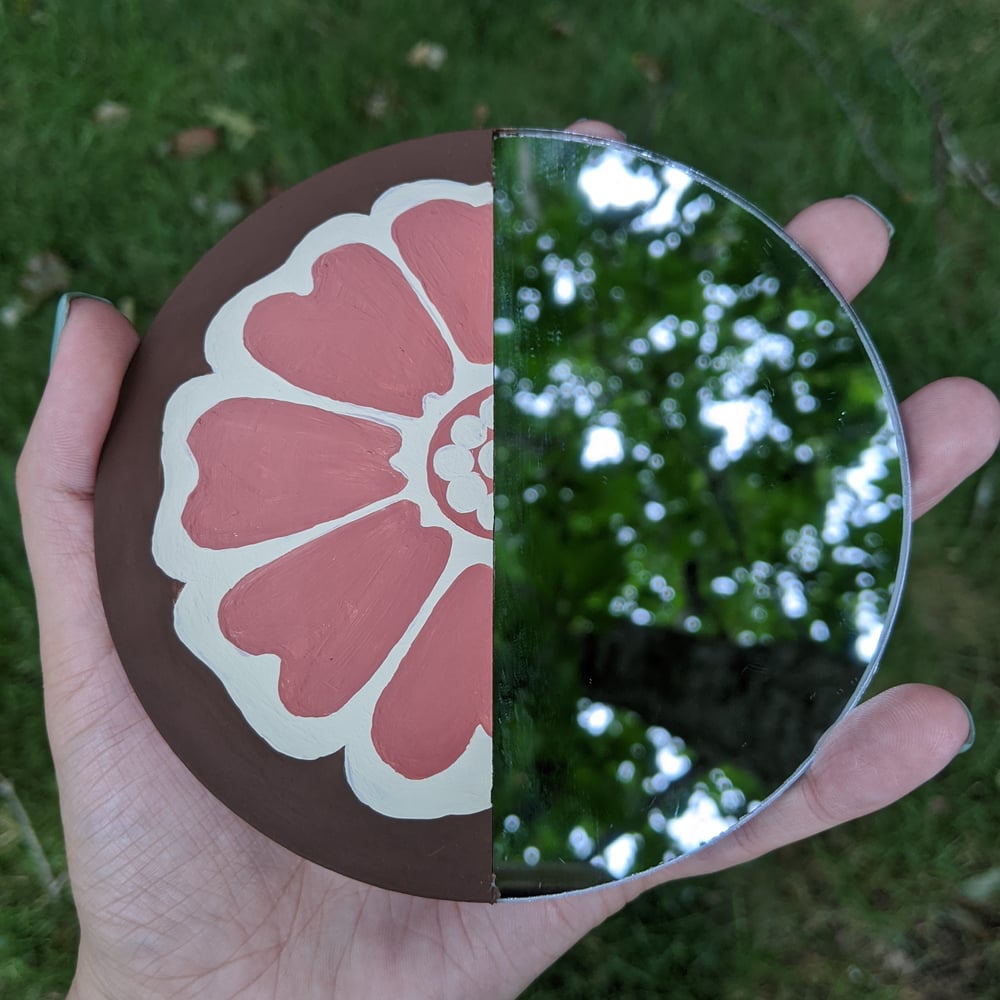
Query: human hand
(179, 897)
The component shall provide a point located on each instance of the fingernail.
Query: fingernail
(881, 215)
(62, 314)
(971, 738)
(587, 118)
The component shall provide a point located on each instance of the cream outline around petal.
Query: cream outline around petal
(252, 680)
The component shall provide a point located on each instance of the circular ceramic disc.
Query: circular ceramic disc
(444, 650)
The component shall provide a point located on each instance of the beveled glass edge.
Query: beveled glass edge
(892, 613)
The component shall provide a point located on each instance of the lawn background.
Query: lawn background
(785, 103)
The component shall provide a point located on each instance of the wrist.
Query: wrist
(78, 992)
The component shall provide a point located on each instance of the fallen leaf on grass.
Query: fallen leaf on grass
(45, 274)
(650, 67)
(938, 805)
(111, 113)
(225, 211)
(899, 963)
(377, 105)
(427, 55)
(251, 189)
(12, 312)
(9, 833)
(194, 142)
(983, 886)
(239, 128)
(126, 306)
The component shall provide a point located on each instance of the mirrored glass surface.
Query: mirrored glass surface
(700, 511)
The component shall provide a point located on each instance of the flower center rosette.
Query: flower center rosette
(328, 500)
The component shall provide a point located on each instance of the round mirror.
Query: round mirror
(700, 522)
(501, 513)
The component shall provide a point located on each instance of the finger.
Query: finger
(598, 129)
(846, 238)
(58, 468)
(880, 752)
(952, 427)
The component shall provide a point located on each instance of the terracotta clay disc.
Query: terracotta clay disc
(197, 544)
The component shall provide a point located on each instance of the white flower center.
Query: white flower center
(466, 464)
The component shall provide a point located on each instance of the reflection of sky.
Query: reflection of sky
(744, 421)
(702, 818)
(869, 621)
(565, 390)
(699, 823)
(602, 446)
(581, 843)
(569, 276)
(613, 182)
(608, 183)
(619, 856)
(670, 762)
(664, 212)
(857, 500)
(595, 718)
(564, 287)
(711, 808)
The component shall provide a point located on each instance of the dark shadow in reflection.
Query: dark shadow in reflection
(725, 693)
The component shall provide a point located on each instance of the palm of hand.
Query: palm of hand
(177, 896)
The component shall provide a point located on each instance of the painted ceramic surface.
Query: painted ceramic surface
(328, 500)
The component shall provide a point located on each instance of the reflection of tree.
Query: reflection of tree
(674, 393)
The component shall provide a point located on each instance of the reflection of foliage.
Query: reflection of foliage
(691, 441)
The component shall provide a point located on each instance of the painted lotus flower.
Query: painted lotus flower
(328, 497)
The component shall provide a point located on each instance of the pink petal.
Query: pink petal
(449, 247)
(361, 336)
(334, 607)
(269, 468)
(443, 688)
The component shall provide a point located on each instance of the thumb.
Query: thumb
(57, 471)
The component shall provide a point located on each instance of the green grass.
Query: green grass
(785, 106)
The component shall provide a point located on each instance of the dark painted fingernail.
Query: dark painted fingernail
(880, 214)
(971, 738)
(62, 314)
